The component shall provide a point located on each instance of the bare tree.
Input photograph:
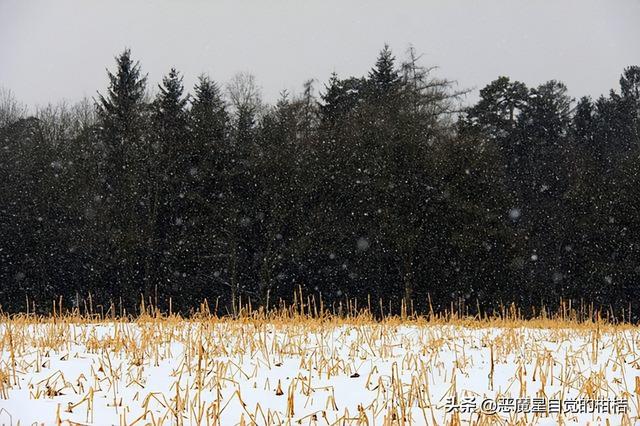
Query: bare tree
(430, 96)
(84, 113)
(244, 94)
(11, 110)
(55, 122)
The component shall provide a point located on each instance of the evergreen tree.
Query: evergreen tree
(544, 126)
(209, 117)
(168, 168)
(209, 201)
(496, 114)
(384, 78)
(630, 98)
(339, 98)
(377, 190)
(122, 116)
(630, 84)
(583, 122)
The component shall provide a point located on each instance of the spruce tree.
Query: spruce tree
(583, 122)
(384, 78)
(210, 188)
(339, 98)
(122, 116)
(209, 117)
(630, 100)
(168, 215)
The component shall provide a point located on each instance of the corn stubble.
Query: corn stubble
(298, 366)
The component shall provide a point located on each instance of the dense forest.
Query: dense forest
(382, 187)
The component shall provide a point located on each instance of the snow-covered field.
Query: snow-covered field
(230, 372)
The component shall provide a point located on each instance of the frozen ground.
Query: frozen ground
(243, 372)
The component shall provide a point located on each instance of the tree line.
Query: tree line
(382, 187)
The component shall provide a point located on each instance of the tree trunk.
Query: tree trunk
(407, 278)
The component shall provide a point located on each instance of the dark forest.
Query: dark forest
(385, 188)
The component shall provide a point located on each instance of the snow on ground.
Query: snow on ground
(364, 373)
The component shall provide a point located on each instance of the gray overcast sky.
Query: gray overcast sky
(55, 49)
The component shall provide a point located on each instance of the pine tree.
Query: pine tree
(339, 98)
(544, 127)
(209, 117)
(123, 105)
(630, 83)
(209, 125)
(170, 126)
(209, 198)
(496, 114)
(122, 117)
(168, 213)
(630, 100)
(583, 122)
(384, 78)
